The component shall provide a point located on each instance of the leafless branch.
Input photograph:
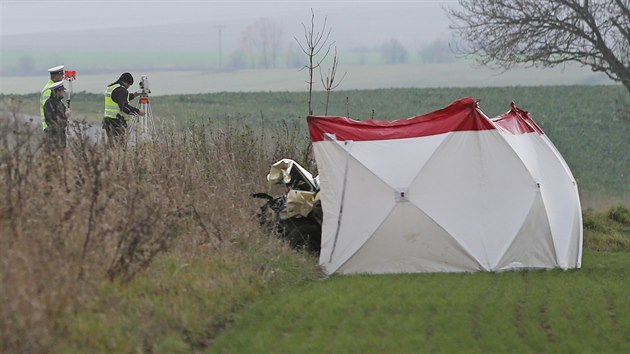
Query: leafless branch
(329, 82)
(505, 33)
(315, 43)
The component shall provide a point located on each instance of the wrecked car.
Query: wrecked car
(295, 216)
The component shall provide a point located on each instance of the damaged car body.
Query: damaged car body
(297, 215)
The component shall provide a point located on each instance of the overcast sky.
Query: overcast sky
(45, 31)
(419, 19)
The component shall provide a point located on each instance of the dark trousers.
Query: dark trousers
(115, 128)
(56, 136)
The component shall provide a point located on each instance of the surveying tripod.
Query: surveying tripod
(143, 126)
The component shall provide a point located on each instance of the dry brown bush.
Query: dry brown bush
(72, 218)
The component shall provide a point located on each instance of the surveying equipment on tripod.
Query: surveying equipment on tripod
(143, 126)
(144, 85)
(69, 75)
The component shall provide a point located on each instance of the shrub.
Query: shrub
(607, 230)
(620, 214)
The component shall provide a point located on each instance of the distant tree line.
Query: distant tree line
(264, 45)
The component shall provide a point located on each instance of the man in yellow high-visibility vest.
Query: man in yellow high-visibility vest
(116, 103)
(56, 75)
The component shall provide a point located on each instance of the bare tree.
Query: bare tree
(438, 51)
(314, 43)
(394, 52)
(329, 82)
(548, 33)
(268, 40)
(26, 65)
(294, 58)
(244, 56)
(262, 40)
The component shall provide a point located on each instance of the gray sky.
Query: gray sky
(410, 21)
(50, 32)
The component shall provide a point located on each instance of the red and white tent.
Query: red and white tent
(447, 191)
(557, 184)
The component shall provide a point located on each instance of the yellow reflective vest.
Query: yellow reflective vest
(111, 108)
(42, 99)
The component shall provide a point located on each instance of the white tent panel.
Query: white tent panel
(398, 161)
(478, 190)
(362, 194)
(574, 249)
(557, 153)
(363, 204)
(532, 247)
(573, 253)
(330, 157)
(367, 202)
(559, 193)
(409, 241)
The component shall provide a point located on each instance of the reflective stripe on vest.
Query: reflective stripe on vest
(111, 108)
(42, 100)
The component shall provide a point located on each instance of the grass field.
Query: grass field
(582, 121)
(276, 302)
(155, 248)
(180, 304)
(578, 311)
(168, 81)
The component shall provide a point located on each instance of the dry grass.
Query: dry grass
(71, 220)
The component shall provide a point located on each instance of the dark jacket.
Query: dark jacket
(55, 113)
(121, 96)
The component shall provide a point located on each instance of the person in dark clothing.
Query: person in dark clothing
(56, 116)
(56, 75)
(116, 104)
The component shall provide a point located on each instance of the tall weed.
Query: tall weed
(75, 218)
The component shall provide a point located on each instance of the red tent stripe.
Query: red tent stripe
(461, 115)
(517, 122)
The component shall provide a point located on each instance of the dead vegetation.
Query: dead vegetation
(72, 219)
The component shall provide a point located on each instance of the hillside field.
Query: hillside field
(170, 80)
(586, 123)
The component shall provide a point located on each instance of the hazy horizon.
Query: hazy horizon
(98, 37)
(353, 23)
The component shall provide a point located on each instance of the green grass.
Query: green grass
(271, 299)
(179, 305)
(518, 312)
